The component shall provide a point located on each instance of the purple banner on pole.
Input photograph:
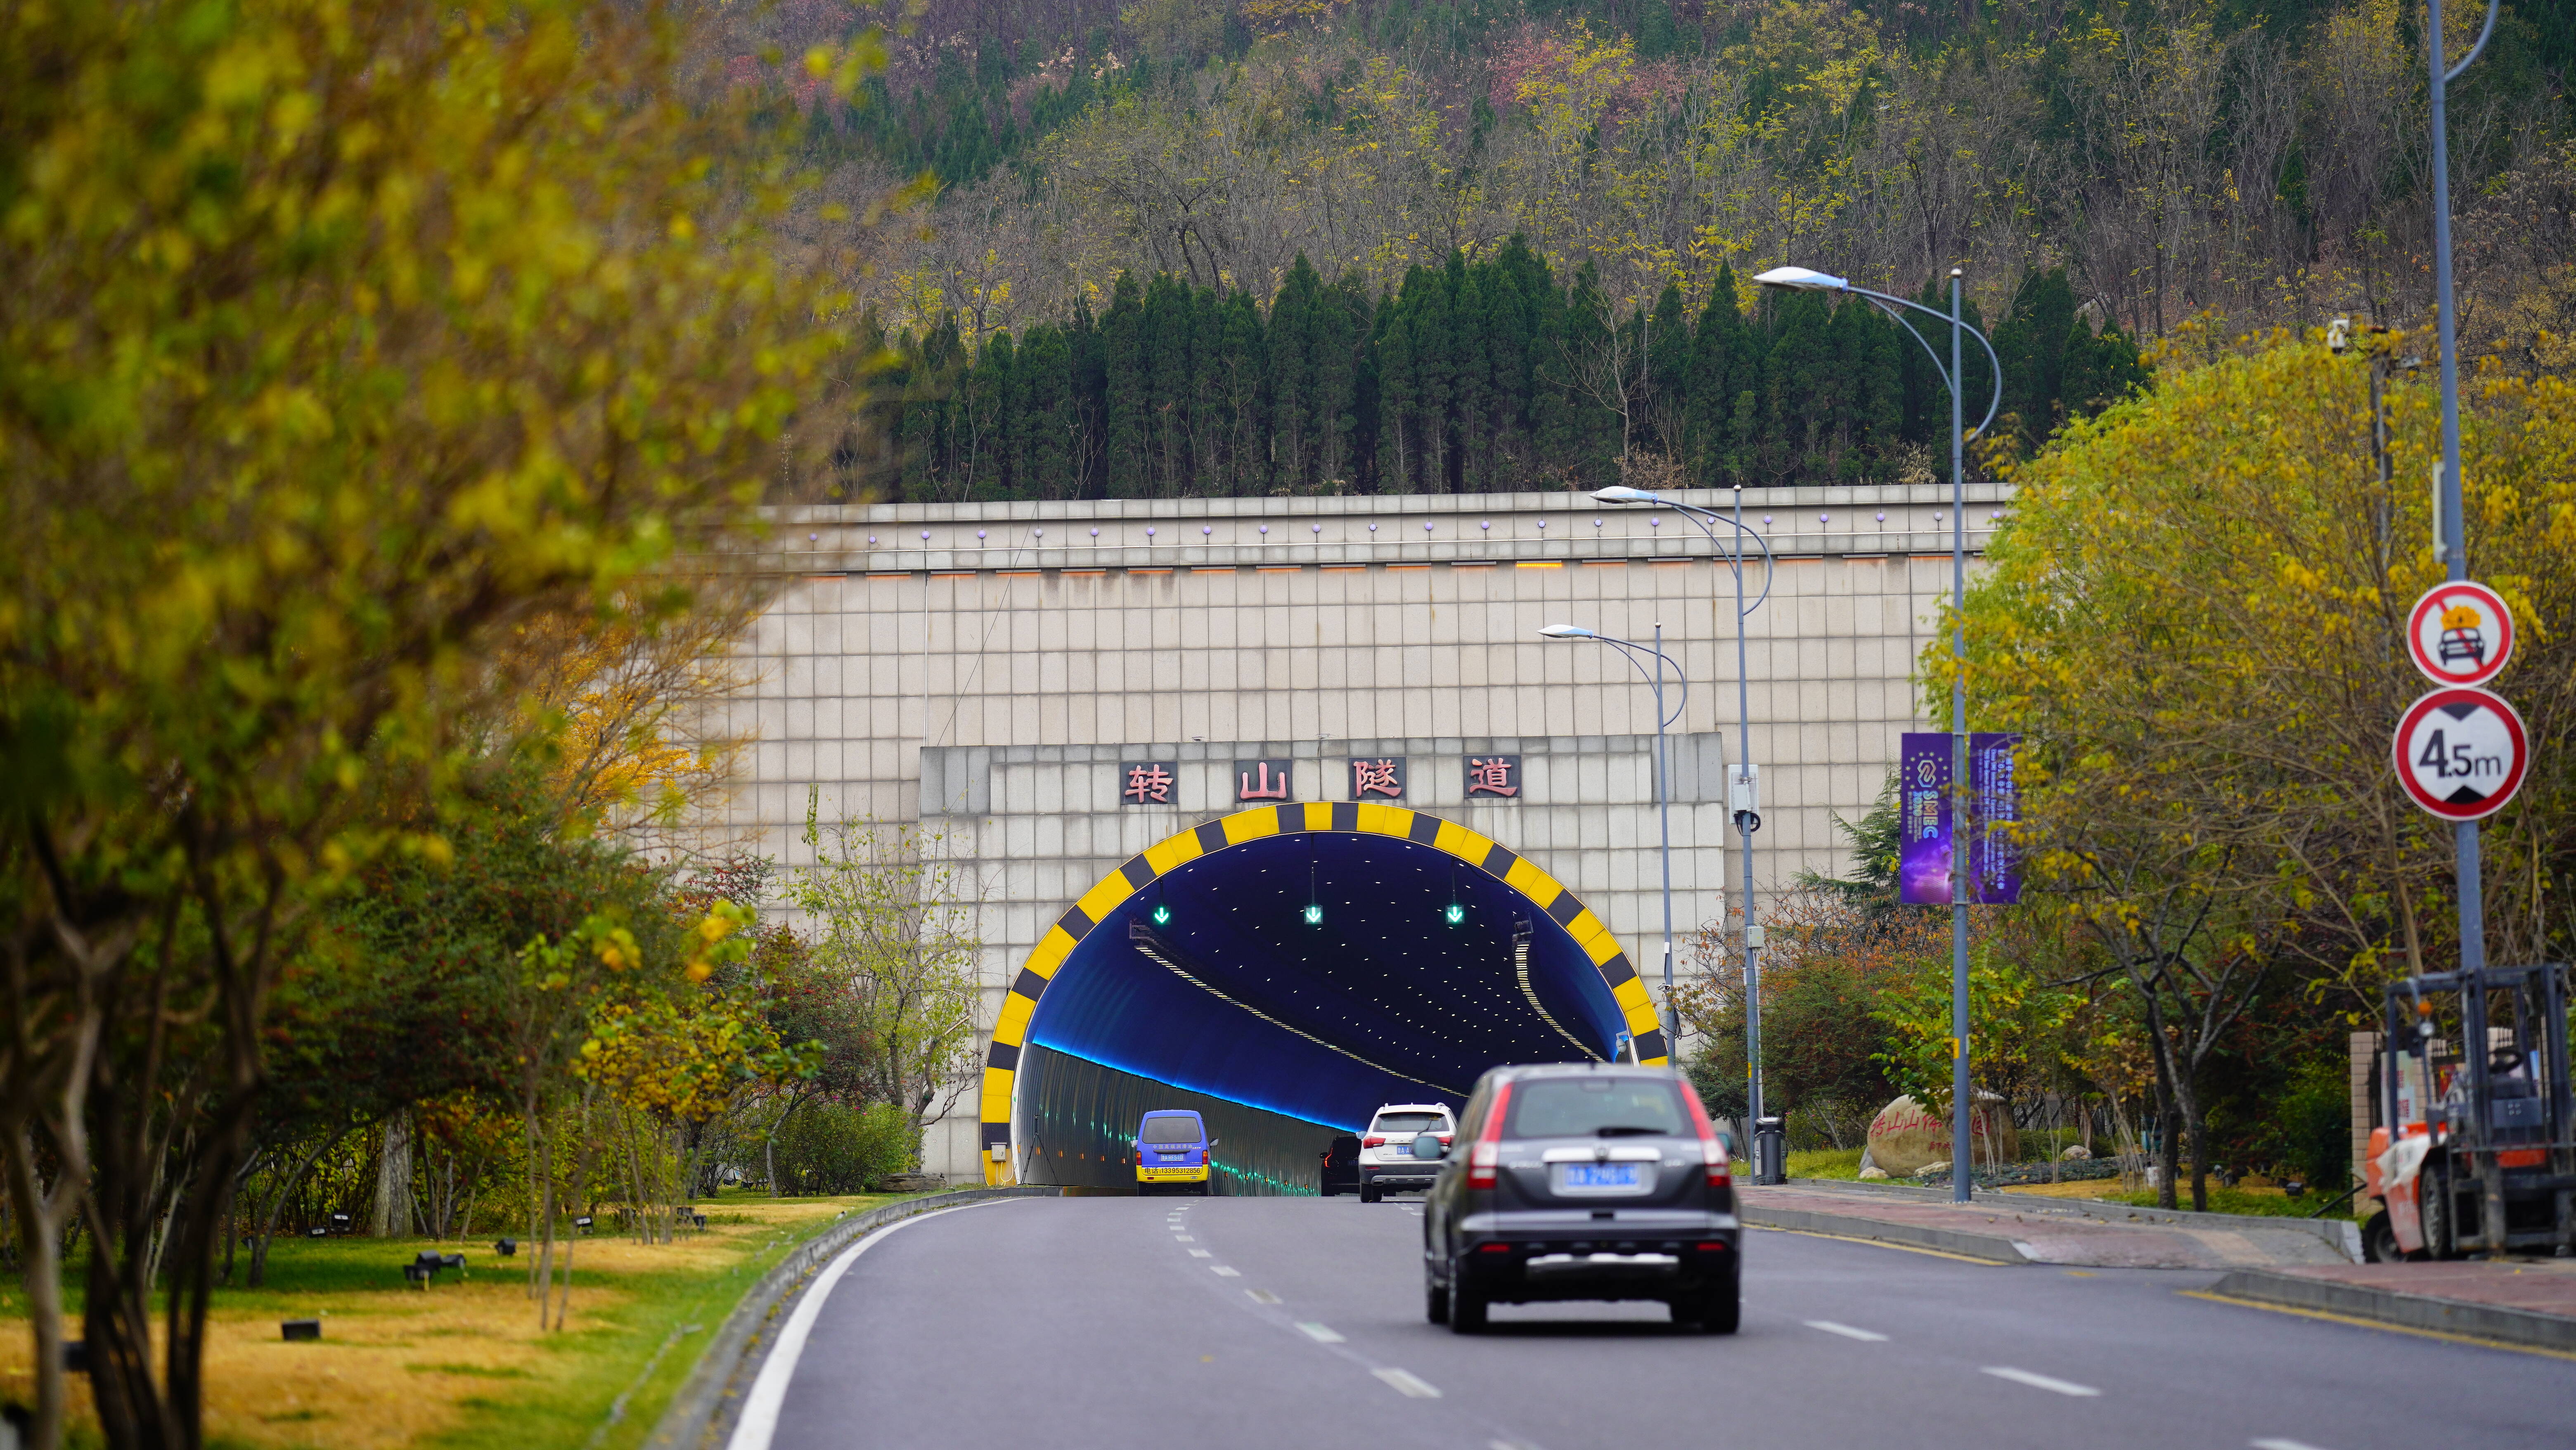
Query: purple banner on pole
(1923, 819)
(1926, 831)
(1994, 800)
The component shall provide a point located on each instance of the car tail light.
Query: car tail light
(1712, 1148)
(1712, 1248)
(1485, 1155)
(1495, 1249)
(1444, 1140)
(1372, 1142)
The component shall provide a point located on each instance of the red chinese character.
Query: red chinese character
(1149, 784)
(1266, 790)
(1374, 775)
(1492, 776)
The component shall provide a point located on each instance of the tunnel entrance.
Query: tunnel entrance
(1286, 970)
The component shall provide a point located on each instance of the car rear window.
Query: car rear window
(1171, 1129)
(1598, 1107)
(1410, 1123)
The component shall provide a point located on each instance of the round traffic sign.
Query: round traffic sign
(2461, 753)
(2460, 633)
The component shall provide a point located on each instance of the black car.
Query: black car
(1340, 1166)
(1582, 1181)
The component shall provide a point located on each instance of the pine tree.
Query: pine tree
(1088, 365)
(1470, 317)
(2032, 341)
(1726, 370)
(1292, 375)
(1342, 329)
(1663, 411)
(1242, 365)
(1399, 402)
(1047, 427)
(1126, 402)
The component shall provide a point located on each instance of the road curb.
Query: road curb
(702, 1411)
(2341, 1235)
(2407, 1311)
(1992, 1248)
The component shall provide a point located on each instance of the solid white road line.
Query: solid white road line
(2041, 1381)
(1406, 1383)
(1319, 1333)
(1866, 1336)
(759, 1422)
(2275, 1442)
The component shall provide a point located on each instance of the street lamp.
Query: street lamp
(1663, 782)
(1747, 820)
(1800, 279)
(2450, 526)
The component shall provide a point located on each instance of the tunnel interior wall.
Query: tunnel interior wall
(1078, 1118)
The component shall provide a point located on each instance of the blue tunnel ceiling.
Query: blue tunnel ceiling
(1234, 993)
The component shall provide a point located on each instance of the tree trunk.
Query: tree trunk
(277, 1205)
(392, 1217)
(39, 1216)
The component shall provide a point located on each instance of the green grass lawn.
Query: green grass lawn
(463, 1365)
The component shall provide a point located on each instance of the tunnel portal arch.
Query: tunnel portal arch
(1123, 999)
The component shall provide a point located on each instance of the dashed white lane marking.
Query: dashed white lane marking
(1866, 1336)
(2277, 1443)
(1183, 1239)
(1201, 1254)
(2042, 1382)
(1406, 1383)
(1263, 1296)
(1223, 1272)
(1320, 1333)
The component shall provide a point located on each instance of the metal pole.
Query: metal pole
(2455, 542)
(1744, 833)
(1961, 1182)
(1664, 813)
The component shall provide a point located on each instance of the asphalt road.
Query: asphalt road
(1292, 1322)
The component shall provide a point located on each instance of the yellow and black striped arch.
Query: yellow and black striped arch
(1010, 1032)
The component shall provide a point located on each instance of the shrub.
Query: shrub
(827, 1148)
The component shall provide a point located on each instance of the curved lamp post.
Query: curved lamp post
(1801, 279)
(1747, 817)
(1663, 780)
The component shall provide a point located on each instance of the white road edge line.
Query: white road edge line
(1321, 1334)
(1866, 1336)
(2275, 1442)
(759, 1421)
(1406, 1383)
(2042, 1382)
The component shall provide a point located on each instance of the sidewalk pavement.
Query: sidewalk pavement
(2021, 1230)
(2279, 1263)
(2529, 1302)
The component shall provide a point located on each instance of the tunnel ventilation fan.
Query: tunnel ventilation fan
(1520, 969)
(1163, 954)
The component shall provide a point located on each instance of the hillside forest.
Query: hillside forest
(1251, 246)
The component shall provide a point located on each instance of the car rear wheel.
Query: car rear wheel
(1435, 1301)
(1466, 1311)
(1716, 1309)
(1368, 1194)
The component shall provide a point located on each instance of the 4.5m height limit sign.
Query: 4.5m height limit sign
(2461, 753)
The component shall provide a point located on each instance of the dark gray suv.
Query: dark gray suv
(1582, 1181)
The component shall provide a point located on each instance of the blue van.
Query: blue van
(1172, 1148)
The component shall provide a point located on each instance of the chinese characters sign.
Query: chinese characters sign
(1926, 805)
(1381, 778)
(1261, 780)
(1148, 783)
(1493, 775)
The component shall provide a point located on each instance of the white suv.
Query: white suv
(1387, 1164)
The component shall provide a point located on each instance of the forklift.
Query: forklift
(2473, 1147)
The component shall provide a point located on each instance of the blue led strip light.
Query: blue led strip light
(1520, 968)
(1154, 949)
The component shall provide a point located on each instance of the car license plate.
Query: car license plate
(1600, 1175)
